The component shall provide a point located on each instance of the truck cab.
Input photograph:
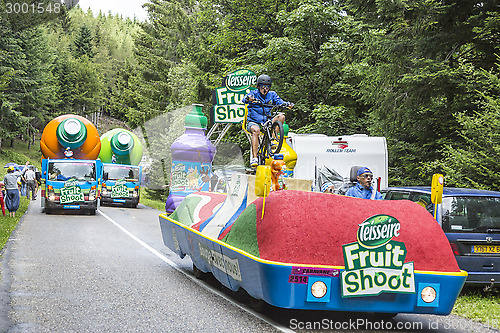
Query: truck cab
(121, 184)
(71, 184)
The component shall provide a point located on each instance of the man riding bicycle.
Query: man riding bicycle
(256, 115)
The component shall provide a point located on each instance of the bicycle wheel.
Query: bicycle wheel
(277, 136)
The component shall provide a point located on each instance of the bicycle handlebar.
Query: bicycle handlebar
(272, 106)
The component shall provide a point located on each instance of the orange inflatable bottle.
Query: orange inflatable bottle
(277, 166)
(70, 136)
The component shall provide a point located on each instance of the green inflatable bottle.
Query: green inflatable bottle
(120, 146)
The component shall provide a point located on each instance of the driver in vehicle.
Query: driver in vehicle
(363, 188)
(256, 116)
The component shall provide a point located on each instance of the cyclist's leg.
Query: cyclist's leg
(254, 129)
(280, 116)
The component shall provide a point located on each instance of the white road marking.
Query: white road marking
(192, 278)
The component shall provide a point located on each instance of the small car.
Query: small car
(470, 219)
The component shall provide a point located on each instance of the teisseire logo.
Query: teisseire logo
(378, 230)
(375, 263)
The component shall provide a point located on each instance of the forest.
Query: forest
(425, 74)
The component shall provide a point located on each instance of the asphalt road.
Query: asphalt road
(112, 273)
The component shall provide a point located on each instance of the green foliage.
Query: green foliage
(83, 43)
(473, 161)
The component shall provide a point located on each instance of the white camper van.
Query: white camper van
(322, 158)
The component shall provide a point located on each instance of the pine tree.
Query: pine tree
(83, 44)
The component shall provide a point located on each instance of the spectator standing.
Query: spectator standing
(12, 197)
(30, 177)
(2, 203)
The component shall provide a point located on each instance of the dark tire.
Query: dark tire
(198, 273)
(278, 134)
(92, 212)
(48, 211)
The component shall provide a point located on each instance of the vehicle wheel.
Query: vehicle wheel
(198, 273)
(92, 211)
(48, 211)
(258, 304)
(277, 135)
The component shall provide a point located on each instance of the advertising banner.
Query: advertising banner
(227, 100)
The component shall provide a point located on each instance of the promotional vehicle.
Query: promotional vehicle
(470, 219)
(121, 184)
(121, 153)
(71, 184)
(364, 255)
(71, 172)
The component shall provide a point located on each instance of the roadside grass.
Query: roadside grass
(475, 304)
(472, 303)
(147, 201)
(19, 154)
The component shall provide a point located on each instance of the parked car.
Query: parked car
(471, 220)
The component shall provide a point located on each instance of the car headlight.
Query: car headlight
(51, 196)
(134, 194)
(428, 294)
(318, 289)
(104, 191)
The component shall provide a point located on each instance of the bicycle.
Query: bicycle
(272, 137)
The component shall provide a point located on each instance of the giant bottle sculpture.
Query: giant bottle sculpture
(192, 155)
(70, 136)
(120, 146)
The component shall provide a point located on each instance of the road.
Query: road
(112, 273)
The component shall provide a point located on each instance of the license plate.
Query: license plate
(119, 200)
(485, 249)
(71, 207)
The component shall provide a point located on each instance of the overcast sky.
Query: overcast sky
(127, 8)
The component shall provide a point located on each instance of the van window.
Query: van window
(471, 214)
(63, 171)
(397, 195)
(422, 199)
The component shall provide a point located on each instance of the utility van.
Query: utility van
(71, 184)
(121, 184)
(322, 159)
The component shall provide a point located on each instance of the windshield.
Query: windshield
(116, 172)
(471, 214)
(69, 170)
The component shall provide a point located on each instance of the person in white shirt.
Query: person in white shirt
(30, 177)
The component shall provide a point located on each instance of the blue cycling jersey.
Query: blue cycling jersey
(255, 112)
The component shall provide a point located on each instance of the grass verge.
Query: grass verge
(475, 304)
(153, 203)
(18, 154)
(8, 224)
